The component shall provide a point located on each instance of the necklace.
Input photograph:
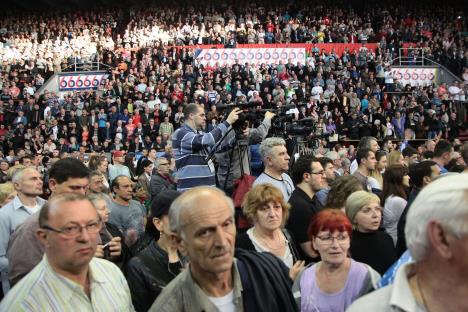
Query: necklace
(277, 240)
(426, 306)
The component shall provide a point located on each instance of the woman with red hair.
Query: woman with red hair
(336, 281)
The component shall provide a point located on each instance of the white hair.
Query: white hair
(445, 201)
(267, 145)
(188, 200)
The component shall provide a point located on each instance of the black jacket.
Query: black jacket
(265, 282)
(148, 273)
(125, 255)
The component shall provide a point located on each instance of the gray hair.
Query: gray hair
(18, 174)
(431, 205)
(94, 197)
(186, 201)
(365, 142)
(267, 145)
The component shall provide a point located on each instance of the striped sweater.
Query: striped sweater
(190, 149)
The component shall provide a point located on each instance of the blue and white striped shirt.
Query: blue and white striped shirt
(190, 149)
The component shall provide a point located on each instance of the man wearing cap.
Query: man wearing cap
(154, 267)
(118, 168)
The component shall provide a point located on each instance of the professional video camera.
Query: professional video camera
(249, 114)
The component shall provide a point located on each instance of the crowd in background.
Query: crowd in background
(376, 142)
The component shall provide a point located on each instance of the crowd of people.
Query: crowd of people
(141, 172)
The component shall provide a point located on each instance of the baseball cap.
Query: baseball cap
(161, 204)
(118, 154)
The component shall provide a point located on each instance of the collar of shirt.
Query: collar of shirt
(402, 296)
(69, 288)
(17, 204)
(196, 295)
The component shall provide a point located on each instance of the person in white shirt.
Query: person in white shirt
(28, 183)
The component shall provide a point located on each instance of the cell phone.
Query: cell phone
(106, 250)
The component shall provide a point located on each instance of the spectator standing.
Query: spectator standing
(28, 185)
(276, 161)
(127, 214)
(308, 175)
(396, 181)
(192, 147)
(69, 232)
(118, 167)
(368, 244)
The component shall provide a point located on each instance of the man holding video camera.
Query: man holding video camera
(234, 161)
(192, 146)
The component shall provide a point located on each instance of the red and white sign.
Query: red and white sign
(415, 76)
(257, 56)
(82, 81)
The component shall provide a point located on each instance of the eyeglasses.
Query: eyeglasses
(163, 164)
(328, 240)
(319, 173)
(76, 229)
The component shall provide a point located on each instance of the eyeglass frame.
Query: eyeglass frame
(97, 223)
(333, 238)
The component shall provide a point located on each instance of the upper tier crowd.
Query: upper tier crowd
(303, 232)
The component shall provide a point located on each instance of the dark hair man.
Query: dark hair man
(366, 161)
(191, 147)
(442, 155)
(308, 176)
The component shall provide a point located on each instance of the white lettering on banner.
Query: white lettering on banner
(415, 76)
(69, 82)
(254, 56)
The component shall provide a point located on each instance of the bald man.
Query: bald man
(203, 220)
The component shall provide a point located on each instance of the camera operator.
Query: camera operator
(191, 146)
(230, 160)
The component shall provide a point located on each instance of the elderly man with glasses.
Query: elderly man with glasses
(162, 179)
(69, 276)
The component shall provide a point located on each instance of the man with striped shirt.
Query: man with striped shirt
(69, 277)
(191, 146)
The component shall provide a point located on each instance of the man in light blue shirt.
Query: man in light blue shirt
(28, 183)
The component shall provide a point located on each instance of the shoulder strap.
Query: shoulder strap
(291, 245)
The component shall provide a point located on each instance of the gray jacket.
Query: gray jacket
(184, 294)
(223, 158)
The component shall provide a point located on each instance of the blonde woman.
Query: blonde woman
(7, 193)
(266, 208)
(395, 158)
(368, 244)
